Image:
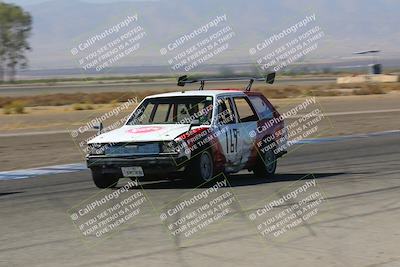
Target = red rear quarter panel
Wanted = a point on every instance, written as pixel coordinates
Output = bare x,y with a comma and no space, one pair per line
262,130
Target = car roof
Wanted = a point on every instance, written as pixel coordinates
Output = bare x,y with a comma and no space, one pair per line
201,93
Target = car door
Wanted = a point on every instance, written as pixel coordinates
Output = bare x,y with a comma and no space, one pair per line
229,134
247,124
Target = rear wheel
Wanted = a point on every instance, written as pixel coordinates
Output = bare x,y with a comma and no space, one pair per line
102,180
266,165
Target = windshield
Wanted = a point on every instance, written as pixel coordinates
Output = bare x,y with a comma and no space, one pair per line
173,110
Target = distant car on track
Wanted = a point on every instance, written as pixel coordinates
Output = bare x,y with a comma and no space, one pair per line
194,135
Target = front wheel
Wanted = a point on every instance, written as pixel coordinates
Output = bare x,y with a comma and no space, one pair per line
201,168
266,165
102,180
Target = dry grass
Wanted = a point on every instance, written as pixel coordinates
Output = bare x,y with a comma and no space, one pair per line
78,98
373,90
16,106
333,89
78,106
383,86
83,101
324,93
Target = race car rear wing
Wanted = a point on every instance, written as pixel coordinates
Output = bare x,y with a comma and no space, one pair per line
270,78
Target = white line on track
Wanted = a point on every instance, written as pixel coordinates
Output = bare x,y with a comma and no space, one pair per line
29,173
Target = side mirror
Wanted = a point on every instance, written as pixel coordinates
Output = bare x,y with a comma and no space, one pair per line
195,122
99,127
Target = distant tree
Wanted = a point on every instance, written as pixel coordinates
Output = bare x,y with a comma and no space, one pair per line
3,41
15,28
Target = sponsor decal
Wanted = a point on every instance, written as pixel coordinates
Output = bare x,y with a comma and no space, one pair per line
146,129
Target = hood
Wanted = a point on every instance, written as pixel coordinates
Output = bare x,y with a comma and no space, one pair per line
142,133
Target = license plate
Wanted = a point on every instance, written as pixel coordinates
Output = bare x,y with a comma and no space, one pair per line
132,171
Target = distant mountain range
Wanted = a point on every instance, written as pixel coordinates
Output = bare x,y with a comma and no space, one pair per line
349,26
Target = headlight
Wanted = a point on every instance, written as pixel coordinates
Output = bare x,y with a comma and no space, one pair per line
176,146
97,149
170,147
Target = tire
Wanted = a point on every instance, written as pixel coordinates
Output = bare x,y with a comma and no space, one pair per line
201,169
266,165
102,180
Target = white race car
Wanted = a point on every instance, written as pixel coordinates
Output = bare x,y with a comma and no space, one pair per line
194,135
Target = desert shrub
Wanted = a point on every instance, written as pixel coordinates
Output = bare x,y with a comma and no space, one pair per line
17,107
77,106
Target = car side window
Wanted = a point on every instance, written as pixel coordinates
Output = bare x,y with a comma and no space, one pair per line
244,110
226,114
261,107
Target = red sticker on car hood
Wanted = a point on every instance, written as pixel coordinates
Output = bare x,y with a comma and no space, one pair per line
146,129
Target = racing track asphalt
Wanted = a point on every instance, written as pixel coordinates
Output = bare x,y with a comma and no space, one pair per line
357,225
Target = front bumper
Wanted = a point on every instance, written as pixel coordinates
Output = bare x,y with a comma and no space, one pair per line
155,164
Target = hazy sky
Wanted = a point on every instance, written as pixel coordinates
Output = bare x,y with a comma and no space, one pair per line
30,2
348,26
